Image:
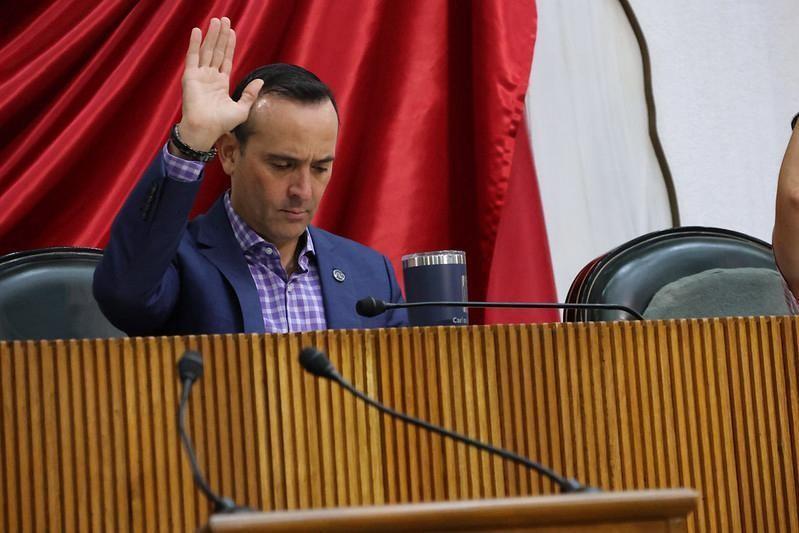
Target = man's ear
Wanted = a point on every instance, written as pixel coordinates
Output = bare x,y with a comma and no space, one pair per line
227,147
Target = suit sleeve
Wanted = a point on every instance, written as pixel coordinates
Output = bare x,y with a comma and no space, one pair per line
394,317
136,283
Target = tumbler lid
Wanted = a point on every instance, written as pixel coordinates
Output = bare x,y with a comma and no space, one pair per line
439,257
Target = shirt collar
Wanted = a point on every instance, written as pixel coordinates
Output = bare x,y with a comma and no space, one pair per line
248,238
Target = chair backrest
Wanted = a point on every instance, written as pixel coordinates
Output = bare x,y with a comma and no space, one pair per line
634,272
47,294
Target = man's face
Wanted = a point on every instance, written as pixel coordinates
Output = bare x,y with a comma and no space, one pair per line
280,174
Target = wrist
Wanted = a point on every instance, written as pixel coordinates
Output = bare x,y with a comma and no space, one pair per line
196,137
179,147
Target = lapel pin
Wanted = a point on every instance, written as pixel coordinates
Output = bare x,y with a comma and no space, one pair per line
339,275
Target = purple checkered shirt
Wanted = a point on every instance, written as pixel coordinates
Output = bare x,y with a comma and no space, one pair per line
288,303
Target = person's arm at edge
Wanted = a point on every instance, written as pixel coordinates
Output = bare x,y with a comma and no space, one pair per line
786,225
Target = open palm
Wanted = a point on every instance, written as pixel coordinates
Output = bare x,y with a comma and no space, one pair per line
208,110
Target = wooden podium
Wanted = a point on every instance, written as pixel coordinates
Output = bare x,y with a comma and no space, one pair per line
88,430
650,511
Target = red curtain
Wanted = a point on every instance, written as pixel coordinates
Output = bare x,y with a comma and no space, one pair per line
431,93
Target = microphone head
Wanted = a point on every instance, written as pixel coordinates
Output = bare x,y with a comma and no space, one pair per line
316,362
370,307
190,366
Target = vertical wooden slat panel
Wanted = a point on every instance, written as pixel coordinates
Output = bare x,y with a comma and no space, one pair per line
644,355
790,351
680,360
761,459
587,363
92,431
785,456
389,437
156,352
505,393
738,425
467,468
771,418
355,348
273,412
748,423
45,398
12,494
88,430
172,454
243,382
416,401
450,464
708,395
515,435
140,407
31,469
540,447
395,399
336,414
325,437
640,432
375,419
493,414
477,407
573,416
550,385
607,378
666,396
723,442
118,353
352,447
297,422
528,429
625,418
63,428
432,392
701,398
29,431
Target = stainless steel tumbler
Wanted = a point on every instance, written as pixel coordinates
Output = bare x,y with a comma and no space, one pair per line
436,276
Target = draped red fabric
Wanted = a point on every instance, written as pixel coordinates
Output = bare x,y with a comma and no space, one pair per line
431,94
521,270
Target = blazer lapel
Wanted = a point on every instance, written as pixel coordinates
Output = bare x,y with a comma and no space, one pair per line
220,246
339,296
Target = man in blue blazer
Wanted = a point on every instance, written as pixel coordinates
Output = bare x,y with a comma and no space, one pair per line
252,263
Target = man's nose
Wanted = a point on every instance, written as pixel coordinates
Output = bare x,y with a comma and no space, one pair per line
300,186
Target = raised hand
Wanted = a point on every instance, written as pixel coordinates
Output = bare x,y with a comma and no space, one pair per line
208,110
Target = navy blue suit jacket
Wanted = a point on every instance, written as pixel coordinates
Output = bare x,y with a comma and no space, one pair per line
163,276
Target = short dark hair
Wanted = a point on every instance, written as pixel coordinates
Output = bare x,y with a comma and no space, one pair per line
289,81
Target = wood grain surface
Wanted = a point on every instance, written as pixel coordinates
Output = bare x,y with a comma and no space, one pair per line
88,436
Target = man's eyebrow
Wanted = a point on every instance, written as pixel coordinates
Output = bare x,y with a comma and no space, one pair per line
280,156
328,159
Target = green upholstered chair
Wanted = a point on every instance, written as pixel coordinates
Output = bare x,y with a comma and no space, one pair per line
47,294
679,273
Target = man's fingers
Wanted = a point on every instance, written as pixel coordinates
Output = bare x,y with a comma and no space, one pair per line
227,62
207,48
221,43
250,93
193,53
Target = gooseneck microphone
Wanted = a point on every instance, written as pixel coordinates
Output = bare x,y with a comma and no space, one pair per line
370,307
190,369
318,364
